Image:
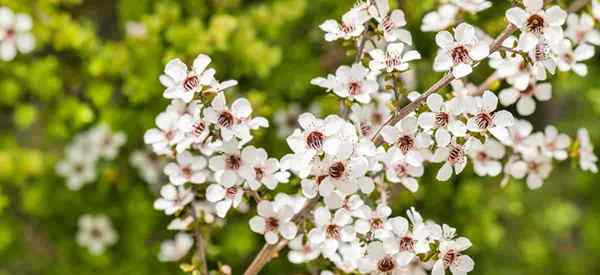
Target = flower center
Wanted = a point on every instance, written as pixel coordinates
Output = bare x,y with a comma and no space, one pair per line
405,143
337,169
333,232
96,233
450,257
386,264
400,170
388,24
10,32
457,154
535,24
186,172
231,192
377,117
483,120
259,173
460,54
393,60
442,119
528,91
272,224
407,244
315,139
481,156
376,223
226,119
233,162
191,83
198,128
170,134
365,128
347,28
541,51
354,88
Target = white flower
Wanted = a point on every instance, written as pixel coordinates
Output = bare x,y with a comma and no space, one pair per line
374,222
225,195
408,239
166,135
485,119
543,60
536,167
173,199
331,231
524,98
107,142
555,144
227,165
570,59
454,158
149,167
346,174
368,118
404,135
392,59
316,136
136,29
451,257
302,252
188,168
440,19
235,121
353,83
442,118
390,23
77,168
537,24
472,6
520,139
398,170
486,157
174,250
183,84
96,233
15,34
350,27
257,169
580,29
380,259
458,52
272,221
587,158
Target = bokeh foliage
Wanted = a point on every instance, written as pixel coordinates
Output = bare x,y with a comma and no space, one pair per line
86,70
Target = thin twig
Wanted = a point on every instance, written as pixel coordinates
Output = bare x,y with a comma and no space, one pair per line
485,85
200,246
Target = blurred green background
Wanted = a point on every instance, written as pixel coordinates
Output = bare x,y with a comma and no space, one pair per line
86,69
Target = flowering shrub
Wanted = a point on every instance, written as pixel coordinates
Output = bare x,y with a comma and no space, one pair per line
335,190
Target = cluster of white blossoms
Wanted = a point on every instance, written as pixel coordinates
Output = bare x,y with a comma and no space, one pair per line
15,34
84,152
449,13
96,233
345,163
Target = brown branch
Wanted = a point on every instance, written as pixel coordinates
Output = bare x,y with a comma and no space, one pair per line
485,85
200,245
270,251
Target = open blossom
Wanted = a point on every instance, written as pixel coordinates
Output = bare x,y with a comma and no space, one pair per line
330,231
454,158
173,199
316,136
405,136
274,220
166,135
96,233
537,24
148,166
77,168
174,250
535,166
235,121
346,173
227,164
301,251
440,19
525,98
188,168
258,169
442,119
587,158
351,25
571,59
451,258
580,29
555,144
225,195
107,142
351,82
368,118
394,58
390,23
486,157
380,259
398,170
472,6
486,118
182,83
458,52
544,60
15,34
374,221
